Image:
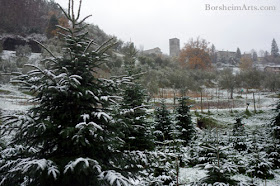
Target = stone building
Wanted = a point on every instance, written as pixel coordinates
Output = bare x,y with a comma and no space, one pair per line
174,47
225,56
156,51
272,69
248,55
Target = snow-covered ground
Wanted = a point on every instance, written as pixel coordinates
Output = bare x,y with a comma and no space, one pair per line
11,99
188,175
264,117
220,99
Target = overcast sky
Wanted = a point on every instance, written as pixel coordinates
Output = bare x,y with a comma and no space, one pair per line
151,23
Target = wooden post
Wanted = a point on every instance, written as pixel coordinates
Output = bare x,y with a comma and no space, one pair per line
218,96
208,105
174,96
254,103
246,99
259,100
201,106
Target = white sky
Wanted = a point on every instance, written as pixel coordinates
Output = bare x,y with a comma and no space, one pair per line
151,23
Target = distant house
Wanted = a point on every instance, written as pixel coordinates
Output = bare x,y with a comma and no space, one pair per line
247,55
156,51
225,56
274,69
261,59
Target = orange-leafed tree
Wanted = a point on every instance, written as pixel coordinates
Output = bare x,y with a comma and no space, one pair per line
195,54
56,18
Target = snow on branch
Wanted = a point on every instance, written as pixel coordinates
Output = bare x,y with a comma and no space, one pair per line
27,165
104,115
114,178
87,163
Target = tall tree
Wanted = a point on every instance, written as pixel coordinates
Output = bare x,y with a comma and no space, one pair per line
213,54
137,133
228,81
274,49
52,26
261,53
254,55
246,63
238,54
195,54
69,137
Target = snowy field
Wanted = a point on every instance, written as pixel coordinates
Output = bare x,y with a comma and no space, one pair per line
12,99
188,175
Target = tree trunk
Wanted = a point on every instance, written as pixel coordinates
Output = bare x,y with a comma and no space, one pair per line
201,104
231,93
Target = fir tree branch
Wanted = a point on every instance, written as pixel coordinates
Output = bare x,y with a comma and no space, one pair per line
79,10
45,49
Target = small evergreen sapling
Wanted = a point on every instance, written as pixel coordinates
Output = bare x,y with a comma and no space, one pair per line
273,152
239,138
183,120
259,165
163,123
219,168
166,168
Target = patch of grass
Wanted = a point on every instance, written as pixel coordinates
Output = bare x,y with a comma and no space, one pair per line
274,96
209,113
248,113
239,97
190,102
196,113
209,123
260,112
232,113
5,91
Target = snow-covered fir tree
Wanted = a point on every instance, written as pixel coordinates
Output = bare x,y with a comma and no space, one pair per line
274,48
183,120
273,152
239,137
276,123
69,137
273,149
169,148
163,123
200,155
133,108
259,165
219,167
